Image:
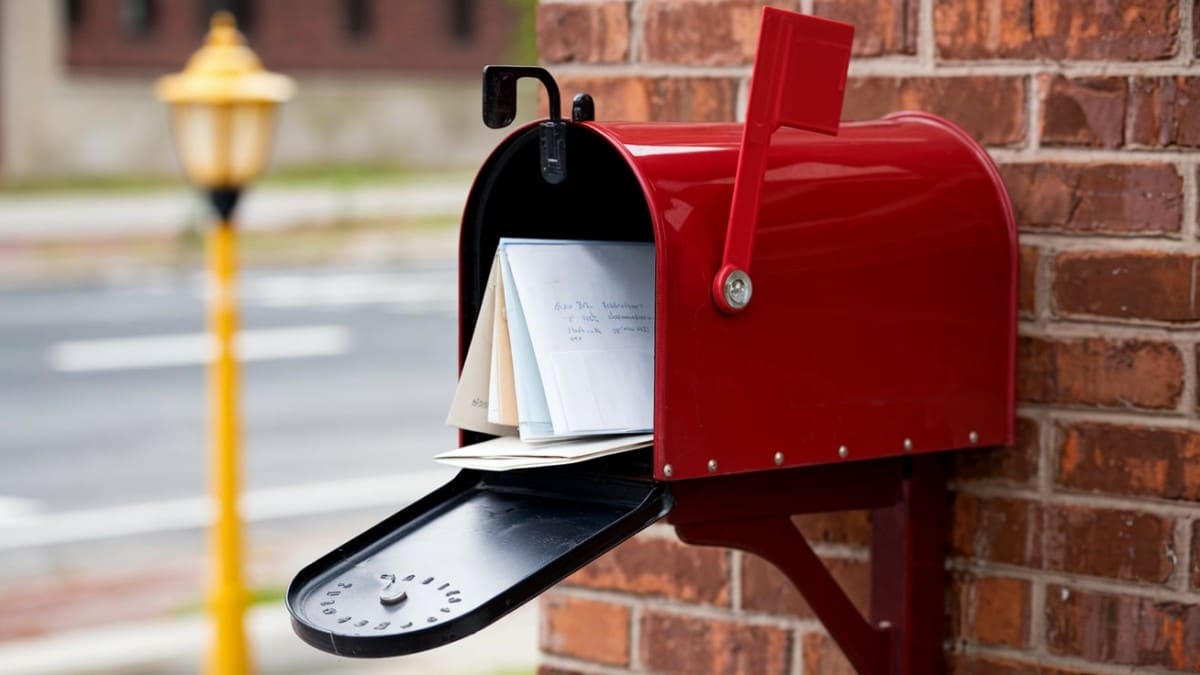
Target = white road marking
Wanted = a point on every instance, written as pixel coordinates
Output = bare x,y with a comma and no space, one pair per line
42,529
160,351
15,508
337,290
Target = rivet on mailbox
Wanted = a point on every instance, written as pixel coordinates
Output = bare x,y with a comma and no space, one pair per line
821,285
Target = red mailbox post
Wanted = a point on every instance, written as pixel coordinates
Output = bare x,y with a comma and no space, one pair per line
835,305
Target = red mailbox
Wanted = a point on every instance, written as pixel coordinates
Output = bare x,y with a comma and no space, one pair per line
834,303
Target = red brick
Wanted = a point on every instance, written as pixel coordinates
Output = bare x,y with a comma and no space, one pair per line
838,527
821,656
1165,112
1084,111
1125,545
1122,630
1095,198
1134,285
665,99
583,33
992,109
976,29
1138,461
997,529
702,33
1098,372
974,664
880,26
991,610
1027,265
766,589
1116,30
585,629
696,99
679,644
1036,370
1016,464
661,568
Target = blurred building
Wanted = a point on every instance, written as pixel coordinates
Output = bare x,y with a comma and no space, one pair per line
380,81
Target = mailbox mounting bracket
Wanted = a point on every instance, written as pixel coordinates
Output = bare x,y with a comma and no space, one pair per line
907,497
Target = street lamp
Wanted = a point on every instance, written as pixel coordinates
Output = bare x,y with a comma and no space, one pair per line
223,114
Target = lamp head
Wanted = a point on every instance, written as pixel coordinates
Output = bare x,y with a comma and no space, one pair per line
223,108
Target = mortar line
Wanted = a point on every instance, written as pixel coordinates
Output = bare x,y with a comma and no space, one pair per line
1033,109
1187,399
1187,37
637,29
1140,418
1187,172
841,552
1037,616
1022,656
1047,439
1043,296
1074,582
689,609
926,37
1083,331
635,637
1127,122
806,6
1150,325
1074,499
1179,555
735,579
890,67
576,665
1101,242
797,656
1103,237
1093,155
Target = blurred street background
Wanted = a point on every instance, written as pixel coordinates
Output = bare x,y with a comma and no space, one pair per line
349,326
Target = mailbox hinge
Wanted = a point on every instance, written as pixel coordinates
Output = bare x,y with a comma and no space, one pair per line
907,496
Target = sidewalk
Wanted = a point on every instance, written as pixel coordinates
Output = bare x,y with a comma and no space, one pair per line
49,217
179,646
57,237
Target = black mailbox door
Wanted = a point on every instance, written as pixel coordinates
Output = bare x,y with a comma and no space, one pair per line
467,554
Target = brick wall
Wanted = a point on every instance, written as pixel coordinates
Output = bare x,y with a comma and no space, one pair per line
413,36
1078,550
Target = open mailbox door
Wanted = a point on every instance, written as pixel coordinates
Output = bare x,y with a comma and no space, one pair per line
469,553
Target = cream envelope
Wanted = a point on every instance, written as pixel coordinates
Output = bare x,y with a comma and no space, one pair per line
502,401
469,409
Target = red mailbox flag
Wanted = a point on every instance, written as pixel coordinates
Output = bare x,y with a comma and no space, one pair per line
799,81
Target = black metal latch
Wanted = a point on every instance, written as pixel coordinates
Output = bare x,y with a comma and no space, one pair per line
500,109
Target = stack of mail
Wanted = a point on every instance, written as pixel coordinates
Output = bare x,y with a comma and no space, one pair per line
562,356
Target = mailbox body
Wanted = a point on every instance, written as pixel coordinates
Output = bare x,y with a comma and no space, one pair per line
883,317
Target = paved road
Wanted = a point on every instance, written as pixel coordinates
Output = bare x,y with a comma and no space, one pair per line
102,392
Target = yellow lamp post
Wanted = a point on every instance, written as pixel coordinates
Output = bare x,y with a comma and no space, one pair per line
223,114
